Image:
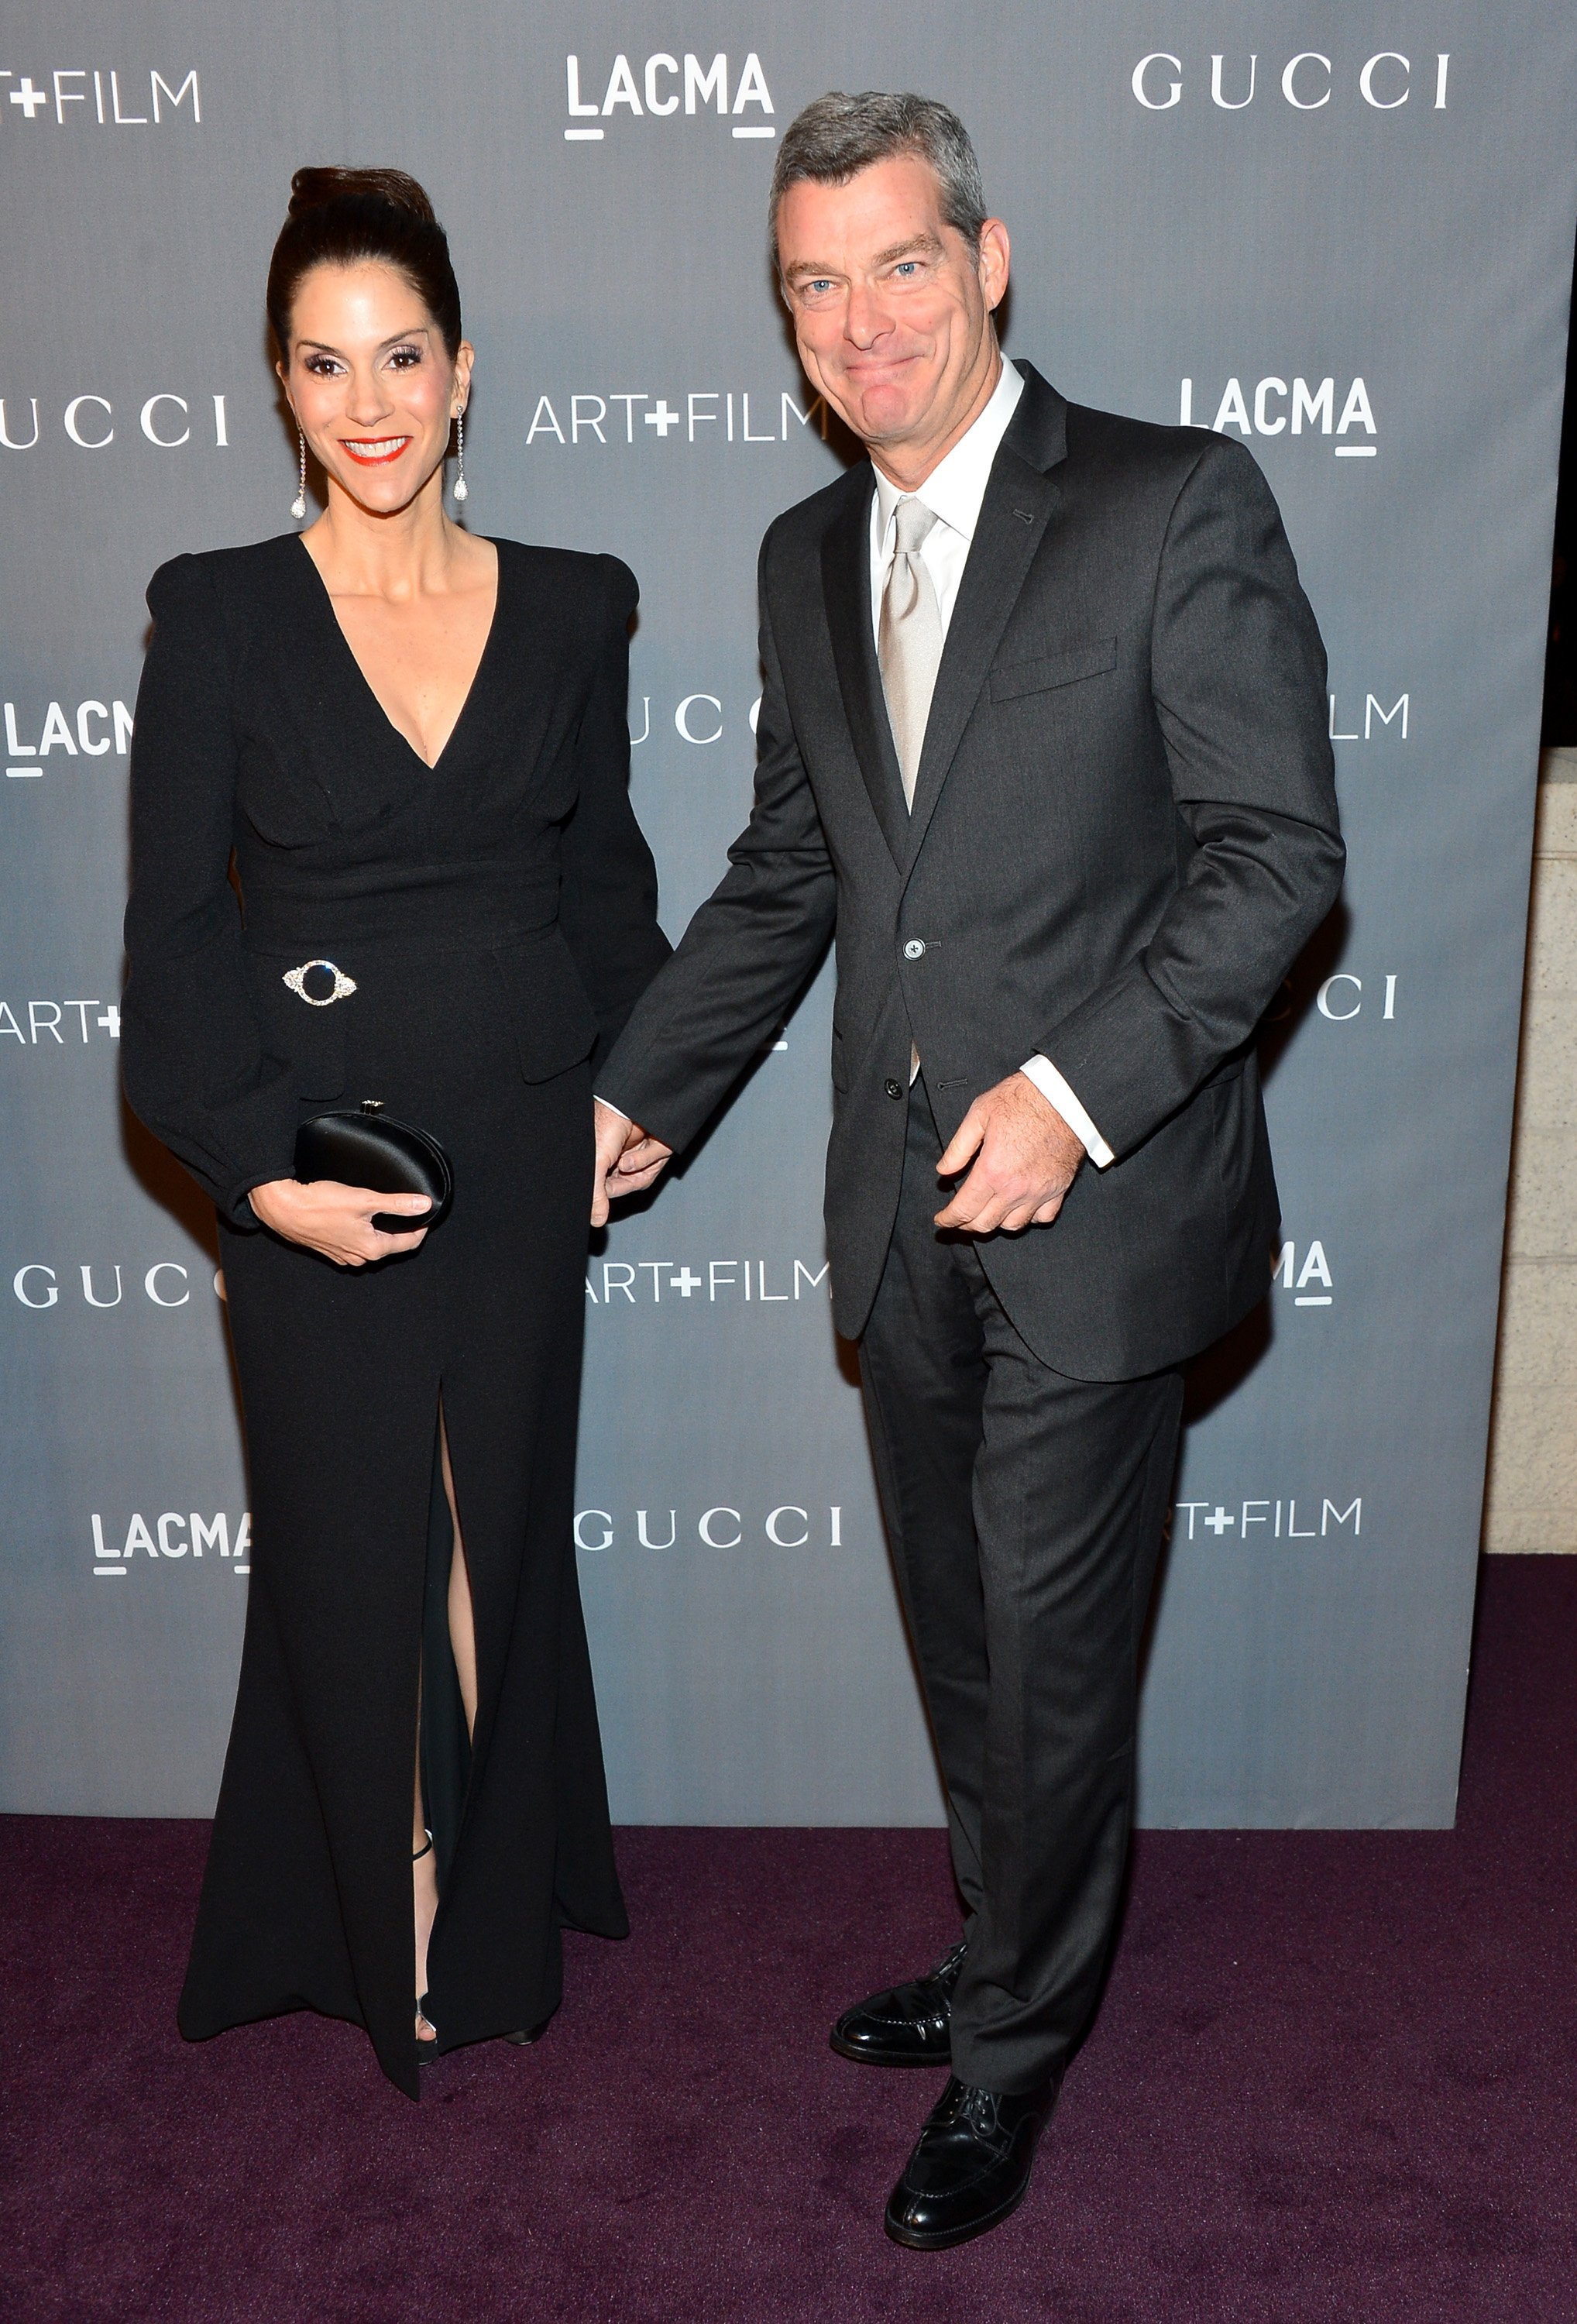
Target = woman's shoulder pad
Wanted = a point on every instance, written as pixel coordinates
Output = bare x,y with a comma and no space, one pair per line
202,576
579,572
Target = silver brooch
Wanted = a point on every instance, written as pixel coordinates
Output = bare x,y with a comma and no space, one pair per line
296,978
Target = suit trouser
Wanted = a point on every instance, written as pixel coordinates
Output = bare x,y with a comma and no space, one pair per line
1024,1511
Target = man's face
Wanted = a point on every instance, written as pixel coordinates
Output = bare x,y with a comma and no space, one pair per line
890,307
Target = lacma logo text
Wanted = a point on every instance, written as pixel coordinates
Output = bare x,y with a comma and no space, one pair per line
666,85
91,730
1311,1283
1271,408
173,1534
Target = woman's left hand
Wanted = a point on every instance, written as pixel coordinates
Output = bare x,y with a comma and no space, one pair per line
335,1221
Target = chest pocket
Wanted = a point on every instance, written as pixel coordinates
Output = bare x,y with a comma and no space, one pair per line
280,799
1039,675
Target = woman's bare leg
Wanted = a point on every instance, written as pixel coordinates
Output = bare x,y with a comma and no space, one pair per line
462,1621
424,1875
424,1884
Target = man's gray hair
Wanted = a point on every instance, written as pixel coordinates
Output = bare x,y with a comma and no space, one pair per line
836,136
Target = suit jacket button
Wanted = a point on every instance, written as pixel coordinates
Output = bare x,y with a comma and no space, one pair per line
914,949
893,1089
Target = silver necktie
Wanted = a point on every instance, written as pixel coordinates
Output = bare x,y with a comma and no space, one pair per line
908,640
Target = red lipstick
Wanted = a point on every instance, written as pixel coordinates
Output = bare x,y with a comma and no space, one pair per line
374,451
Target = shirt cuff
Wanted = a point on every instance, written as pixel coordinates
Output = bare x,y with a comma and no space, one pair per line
611,1106
1055,1092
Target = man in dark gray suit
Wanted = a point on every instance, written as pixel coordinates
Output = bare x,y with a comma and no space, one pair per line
1043,743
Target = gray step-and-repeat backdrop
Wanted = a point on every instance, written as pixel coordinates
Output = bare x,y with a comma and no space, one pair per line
1342,234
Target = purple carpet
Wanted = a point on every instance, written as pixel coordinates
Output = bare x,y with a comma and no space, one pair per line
1335,2077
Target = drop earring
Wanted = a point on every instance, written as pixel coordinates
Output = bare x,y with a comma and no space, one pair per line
461,492
298,505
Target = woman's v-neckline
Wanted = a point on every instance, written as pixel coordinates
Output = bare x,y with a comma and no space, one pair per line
428,767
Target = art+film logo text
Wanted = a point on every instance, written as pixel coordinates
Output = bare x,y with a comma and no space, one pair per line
1314,1517
101,95
619,1284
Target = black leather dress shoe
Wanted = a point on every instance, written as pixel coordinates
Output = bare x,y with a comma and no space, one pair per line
971,2166
906,2026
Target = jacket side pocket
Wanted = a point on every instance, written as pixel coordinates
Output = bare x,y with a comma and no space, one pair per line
553,1022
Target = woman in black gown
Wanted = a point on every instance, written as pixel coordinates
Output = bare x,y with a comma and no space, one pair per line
415,743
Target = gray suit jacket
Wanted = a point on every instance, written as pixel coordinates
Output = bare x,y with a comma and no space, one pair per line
1124,832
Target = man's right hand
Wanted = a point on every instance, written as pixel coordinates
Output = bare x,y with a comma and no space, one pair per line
628,1160
335,1221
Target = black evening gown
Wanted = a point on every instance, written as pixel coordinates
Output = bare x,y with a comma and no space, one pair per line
496,915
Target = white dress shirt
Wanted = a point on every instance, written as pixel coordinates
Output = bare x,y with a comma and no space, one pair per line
953,491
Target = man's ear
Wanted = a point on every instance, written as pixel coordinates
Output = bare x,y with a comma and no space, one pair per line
995,261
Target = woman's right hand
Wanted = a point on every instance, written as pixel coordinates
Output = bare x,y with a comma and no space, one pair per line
335,1221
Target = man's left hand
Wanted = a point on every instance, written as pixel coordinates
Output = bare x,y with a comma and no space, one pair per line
1024,1157
628,1159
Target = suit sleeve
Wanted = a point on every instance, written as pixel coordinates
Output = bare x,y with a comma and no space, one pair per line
748,951
1238,679
607,901
192,1055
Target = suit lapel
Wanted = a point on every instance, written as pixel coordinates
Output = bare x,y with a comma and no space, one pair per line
845,572
1020,503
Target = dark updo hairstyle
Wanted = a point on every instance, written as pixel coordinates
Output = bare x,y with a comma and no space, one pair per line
343,217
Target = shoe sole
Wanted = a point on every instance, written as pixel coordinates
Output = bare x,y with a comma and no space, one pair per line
868,2057
910,2239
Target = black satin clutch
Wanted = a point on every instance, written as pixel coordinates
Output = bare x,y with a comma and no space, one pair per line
371,1148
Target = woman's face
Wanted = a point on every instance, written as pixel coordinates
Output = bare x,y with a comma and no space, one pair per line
372,382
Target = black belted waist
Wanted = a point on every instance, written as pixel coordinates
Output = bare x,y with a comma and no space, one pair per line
442,908
333,966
